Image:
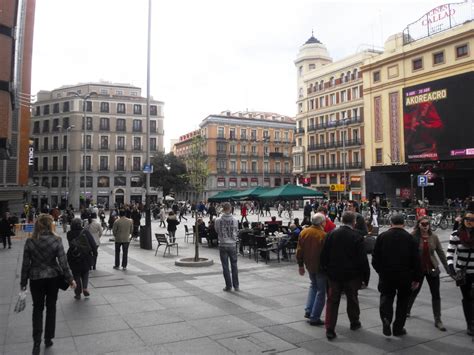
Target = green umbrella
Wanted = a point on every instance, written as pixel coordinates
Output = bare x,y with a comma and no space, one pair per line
250,194
222,196
290,192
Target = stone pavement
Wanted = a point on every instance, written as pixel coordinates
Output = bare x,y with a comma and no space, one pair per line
157,308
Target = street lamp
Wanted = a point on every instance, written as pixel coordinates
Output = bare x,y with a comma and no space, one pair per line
67,161
84,101
266,139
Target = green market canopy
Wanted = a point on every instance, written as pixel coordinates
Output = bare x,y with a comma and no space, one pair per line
290,192
222,196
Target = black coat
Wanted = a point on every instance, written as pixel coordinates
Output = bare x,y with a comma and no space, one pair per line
85,262
172,223
343,256
5,228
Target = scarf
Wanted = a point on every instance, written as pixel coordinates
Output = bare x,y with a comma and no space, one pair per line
467,238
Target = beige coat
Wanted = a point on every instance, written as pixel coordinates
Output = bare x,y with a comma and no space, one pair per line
122,229
435,246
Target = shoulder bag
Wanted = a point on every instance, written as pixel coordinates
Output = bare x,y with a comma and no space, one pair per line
460,276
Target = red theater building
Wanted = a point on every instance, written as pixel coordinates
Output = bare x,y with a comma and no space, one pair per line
419,109
16,41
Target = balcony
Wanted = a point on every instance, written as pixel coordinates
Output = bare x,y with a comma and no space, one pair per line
221,138
333,124
103,168
104,147
120,148
298,150
137,148
335,144
137,130
221,171
120,168
221,153
299,130
338,166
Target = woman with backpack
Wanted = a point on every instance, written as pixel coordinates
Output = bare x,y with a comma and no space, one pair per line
80,256
172,223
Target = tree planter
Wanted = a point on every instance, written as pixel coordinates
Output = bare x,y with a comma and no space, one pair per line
190,262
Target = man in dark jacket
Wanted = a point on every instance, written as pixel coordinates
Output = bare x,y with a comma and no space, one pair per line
344,260
360,226
397,261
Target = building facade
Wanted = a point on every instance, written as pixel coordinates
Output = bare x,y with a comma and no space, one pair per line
247,149
16,41
418,98
101,141
330,140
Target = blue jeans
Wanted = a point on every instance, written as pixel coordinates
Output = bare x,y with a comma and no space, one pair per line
316,295
229,252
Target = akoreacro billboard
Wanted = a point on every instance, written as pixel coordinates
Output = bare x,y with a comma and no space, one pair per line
438,119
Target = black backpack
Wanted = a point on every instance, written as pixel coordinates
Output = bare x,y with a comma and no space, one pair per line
79,248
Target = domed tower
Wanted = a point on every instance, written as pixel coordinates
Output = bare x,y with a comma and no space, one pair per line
312,55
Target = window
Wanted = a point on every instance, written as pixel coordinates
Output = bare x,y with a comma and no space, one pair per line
104,124
64,142
55,127
243,133
120,143
300,107
134,93
265,167
65,122
243,167
104,107
137,109
343,96
462,51
153,126
137,126
438,58
56,108
46,126
137,143
220,132
35,164
355,93
120,125
64,162
46,110
356,157
233,168
121,108
136,181
265,134
56,143
103,181
63,181
232,133
277,167
378,156
120,164
254,167
54,181
88,163
221,165
137,163
38,111
312,66
55,164
376,76
88,141
355,135
300,71
232,149
153,144
88,106
153,110
103,163
417,64
104,91
221,147
253,134
104,142
89,123
243,149
45,182
277,136
119,92
120,181
66,106
322,160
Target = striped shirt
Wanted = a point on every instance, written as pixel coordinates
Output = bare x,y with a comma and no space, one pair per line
461,251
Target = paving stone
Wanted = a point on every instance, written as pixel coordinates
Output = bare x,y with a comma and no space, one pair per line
219,325
22,334
260,342
145,319
197,346
167,333
202,312
288,334
137,306
96,325
101,343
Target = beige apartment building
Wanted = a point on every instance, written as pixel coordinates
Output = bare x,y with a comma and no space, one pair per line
244,150
110,158
330,142
418,98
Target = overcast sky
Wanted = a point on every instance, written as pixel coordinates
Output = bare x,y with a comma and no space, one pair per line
207,55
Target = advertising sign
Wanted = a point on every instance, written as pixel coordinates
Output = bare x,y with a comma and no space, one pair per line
436,119
439,19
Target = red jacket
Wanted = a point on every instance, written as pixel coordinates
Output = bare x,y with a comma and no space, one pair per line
329,225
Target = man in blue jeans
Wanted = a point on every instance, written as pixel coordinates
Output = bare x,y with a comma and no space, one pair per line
227,228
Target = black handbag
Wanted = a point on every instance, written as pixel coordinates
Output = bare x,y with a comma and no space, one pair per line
62,282
460,276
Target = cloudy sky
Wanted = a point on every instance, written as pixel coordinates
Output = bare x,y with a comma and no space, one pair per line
208,55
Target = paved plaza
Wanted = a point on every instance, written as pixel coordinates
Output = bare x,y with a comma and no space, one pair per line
156,307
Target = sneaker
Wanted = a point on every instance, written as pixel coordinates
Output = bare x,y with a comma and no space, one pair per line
330,334
86,293
387,330
440,326
48,343
77,297
356,325
237,289
307,315
399,332
227,289
124,268
116,268
316,322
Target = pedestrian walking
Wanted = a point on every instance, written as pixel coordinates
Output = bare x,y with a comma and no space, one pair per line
136,217
360,226
172,226
397,261
6,230
344,260
122,229
44,262
80,256
461,264
243,213
374,214
227,227
95,229
308,252
162,217
182,213
428,244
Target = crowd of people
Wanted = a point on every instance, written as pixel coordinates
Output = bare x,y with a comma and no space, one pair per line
334,257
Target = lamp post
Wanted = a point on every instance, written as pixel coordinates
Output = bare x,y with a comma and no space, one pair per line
84,101
67,161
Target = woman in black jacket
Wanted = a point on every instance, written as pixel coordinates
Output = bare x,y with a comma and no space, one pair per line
6,230
44,262
172,223
80,256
